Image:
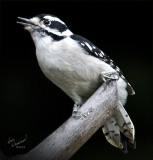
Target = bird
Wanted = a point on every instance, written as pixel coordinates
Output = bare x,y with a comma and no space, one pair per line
79,68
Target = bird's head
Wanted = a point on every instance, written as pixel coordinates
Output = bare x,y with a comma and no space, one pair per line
45,25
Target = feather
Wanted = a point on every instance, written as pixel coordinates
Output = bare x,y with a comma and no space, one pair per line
119,130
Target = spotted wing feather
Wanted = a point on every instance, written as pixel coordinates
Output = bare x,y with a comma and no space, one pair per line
92,50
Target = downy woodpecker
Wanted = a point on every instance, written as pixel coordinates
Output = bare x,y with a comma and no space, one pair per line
78,67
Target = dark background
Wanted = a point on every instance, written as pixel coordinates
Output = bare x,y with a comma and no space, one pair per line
31,105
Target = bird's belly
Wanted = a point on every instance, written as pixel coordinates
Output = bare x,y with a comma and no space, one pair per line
77,77
76,86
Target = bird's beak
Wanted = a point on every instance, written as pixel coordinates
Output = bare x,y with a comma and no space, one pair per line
27,23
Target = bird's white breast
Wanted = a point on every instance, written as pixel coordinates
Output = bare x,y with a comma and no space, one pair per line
66,65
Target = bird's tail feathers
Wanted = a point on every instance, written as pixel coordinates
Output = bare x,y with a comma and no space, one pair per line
119,130
125,123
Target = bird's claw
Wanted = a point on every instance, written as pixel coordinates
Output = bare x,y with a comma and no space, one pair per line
108,76
76,114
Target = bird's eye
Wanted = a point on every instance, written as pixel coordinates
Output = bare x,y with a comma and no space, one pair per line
46,22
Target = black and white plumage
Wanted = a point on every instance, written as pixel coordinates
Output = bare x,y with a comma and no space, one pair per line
75,65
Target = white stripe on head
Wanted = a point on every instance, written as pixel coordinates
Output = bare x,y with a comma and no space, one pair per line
56,32
67,33
54,19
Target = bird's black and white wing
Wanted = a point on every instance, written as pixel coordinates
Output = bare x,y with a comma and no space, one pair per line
119,129
92,50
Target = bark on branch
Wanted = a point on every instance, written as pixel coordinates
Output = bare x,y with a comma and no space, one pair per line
70,136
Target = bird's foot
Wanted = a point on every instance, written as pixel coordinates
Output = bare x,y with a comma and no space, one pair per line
108,76
76,114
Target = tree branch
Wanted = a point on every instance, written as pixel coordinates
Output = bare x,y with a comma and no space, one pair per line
70,136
